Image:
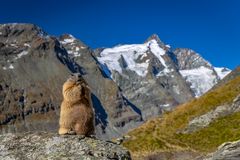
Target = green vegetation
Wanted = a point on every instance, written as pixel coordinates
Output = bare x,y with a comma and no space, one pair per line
163,134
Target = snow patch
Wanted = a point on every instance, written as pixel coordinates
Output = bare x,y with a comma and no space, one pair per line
11,66
157,51
165,105
0,33
71,39
201,79
176,89
65,41
23,53
143,56
77,48
27,45
13,45
168,46
111,56
222,71
75,54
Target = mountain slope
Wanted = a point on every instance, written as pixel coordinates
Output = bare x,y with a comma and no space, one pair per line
30,78
167,133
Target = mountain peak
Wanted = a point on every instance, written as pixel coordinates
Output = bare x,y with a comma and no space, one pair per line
22,27
157,39
154,37
67,36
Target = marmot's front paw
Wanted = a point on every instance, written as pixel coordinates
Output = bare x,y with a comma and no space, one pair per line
63,131
71,133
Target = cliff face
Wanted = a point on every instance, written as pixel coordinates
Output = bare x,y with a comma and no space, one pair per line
50,146
31,77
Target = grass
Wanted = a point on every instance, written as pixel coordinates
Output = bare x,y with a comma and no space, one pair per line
162,134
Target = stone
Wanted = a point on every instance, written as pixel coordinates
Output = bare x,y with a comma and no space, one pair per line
226,151
51,146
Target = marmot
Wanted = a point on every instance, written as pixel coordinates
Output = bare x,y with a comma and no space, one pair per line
76,115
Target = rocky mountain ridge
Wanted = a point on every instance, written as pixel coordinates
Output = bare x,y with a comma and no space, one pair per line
130,83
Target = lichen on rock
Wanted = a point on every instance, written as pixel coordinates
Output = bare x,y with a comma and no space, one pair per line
51,146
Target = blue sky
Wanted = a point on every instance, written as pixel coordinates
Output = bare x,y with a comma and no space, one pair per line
210,27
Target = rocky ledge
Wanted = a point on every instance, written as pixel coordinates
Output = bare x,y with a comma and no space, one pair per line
52,146
227,151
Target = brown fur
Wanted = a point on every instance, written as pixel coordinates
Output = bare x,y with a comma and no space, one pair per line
76,115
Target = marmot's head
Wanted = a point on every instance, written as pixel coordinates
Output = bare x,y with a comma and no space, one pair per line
75,88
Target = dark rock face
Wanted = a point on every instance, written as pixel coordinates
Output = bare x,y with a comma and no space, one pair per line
42,145
31,77
189,59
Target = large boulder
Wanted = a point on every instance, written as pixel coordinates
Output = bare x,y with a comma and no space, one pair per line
51,146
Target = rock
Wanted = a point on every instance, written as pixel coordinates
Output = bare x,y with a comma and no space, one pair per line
227,151
205,119
51,146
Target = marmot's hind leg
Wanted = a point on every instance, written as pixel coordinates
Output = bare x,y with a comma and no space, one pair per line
91,131
80,129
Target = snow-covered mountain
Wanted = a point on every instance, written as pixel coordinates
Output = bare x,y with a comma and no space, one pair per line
155,58
198,72
133,57
146,74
